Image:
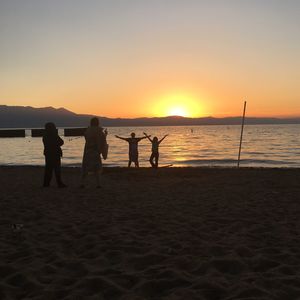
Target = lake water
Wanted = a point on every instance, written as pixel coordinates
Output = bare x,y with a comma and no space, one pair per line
263,146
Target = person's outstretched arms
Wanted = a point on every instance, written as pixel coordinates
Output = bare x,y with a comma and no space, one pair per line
147,136
143,137
121,138
163,138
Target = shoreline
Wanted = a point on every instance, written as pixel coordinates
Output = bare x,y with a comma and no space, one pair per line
159,168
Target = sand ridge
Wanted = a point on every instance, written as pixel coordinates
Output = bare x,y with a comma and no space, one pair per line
178,233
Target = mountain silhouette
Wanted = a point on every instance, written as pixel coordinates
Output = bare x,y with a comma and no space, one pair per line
31,117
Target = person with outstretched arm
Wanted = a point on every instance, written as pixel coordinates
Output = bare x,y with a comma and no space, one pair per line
133,148
155,153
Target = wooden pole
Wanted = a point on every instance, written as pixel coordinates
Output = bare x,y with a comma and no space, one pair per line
242,131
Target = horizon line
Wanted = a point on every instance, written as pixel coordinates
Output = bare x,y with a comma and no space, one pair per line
168,116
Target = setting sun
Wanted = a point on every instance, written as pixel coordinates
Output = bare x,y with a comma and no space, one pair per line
178,104
178,111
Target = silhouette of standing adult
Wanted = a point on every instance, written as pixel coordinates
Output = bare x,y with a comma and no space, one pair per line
53,153
133,148
95,145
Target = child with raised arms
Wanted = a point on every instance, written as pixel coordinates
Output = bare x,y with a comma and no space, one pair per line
155,153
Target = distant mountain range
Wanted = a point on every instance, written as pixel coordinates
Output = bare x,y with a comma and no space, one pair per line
30,117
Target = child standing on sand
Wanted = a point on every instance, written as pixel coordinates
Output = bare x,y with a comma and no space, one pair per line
155,145
133,148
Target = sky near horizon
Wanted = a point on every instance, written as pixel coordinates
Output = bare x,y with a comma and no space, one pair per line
133,58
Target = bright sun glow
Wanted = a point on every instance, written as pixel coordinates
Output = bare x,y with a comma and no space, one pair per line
178,104
178,111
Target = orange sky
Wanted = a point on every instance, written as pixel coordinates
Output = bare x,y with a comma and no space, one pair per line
152,58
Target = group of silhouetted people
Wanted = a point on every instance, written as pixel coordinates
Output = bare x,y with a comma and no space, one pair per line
95,147
133,148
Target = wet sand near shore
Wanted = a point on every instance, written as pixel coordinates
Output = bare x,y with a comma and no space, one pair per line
172,233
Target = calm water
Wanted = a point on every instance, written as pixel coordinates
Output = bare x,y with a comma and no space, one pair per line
263,146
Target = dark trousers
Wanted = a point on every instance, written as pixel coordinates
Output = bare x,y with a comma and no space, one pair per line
154,156
52,164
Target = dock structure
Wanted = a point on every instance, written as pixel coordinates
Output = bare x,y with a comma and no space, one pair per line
38,132
12,133
74,131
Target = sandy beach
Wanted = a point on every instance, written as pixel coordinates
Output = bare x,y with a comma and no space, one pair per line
172,233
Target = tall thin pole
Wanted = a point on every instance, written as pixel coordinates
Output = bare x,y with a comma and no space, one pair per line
242,131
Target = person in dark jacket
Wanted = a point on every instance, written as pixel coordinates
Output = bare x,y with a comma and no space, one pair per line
53,153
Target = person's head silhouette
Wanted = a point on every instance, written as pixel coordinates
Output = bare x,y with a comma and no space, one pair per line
95,122
133,135
50,128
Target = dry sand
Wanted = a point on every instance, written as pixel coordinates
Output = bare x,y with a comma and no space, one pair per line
151,234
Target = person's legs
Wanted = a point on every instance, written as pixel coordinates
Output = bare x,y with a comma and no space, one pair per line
57,171
151,160
136,160
48,171
129,163
98,175
156,160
